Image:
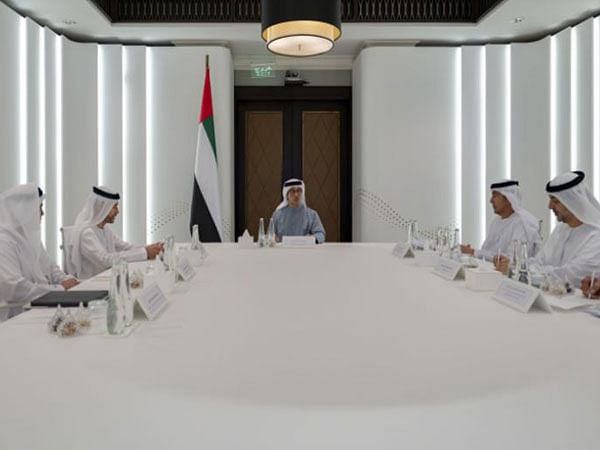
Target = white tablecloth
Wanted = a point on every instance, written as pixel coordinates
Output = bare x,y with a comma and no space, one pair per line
340,346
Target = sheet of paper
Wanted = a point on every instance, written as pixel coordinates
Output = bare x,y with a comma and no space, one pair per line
569,302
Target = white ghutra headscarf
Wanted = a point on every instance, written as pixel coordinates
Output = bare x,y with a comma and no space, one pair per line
20,219
510,189
570,190
289,184
97,206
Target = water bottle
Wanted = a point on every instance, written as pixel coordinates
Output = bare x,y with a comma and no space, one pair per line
523,266
195,243
261,232
514,262
115,317
126,294
412,233
271,233
456,245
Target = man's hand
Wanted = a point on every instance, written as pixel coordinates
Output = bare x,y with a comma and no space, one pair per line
153,250
501,264
466,249
590,291
69,283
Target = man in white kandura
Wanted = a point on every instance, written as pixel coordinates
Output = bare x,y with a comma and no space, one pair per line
572,251
293,218
514,223
93,247
26,270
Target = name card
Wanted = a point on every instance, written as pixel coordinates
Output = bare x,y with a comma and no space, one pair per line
449,269
403,250
298,241
520,296
151,301
185,269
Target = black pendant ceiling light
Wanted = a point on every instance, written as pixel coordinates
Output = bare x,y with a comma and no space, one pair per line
301,27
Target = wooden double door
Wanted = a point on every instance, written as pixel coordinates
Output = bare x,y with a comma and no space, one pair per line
294,132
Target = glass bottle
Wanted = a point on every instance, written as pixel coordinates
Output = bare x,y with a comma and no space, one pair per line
271,233
413,232
261,232
523,266
514,261
537,244
195,243
115,318
126,294
456,245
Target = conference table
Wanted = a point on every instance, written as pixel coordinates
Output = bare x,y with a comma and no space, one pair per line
341,346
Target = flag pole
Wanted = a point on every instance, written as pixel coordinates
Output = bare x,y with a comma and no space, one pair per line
207,64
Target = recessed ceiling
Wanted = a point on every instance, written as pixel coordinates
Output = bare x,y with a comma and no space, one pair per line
197,11
539,17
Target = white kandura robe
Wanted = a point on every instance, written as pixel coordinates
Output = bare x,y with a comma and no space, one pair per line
101,248
19,283
501,235
569,254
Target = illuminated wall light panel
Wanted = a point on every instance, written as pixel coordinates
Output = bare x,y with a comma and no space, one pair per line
149,144
22,100
458,139
574,101
483,143
124,140
596,117
101,121
42,119
508,112
553,116
59,144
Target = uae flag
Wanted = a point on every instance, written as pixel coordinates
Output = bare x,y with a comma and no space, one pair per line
206,207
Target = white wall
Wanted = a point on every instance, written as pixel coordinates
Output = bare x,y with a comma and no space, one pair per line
73,115
432,127
404,137
528,111
10,38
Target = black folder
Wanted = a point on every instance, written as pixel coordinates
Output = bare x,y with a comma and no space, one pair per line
68,299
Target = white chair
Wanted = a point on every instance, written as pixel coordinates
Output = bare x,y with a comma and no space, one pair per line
66,250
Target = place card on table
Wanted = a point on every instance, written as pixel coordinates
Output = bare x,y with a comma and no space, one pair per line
520,296
449,269
151,301
403,250
185,269
426,258
483,279
298,241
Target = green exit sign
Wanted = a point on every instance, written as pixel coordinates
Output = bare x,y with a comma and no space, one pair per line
262,71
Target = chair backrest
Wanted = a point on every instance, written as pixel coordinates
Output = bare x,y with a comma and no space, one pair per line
66,249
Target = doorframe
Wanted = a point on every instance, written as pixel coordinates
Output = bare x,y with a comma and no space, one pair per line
278,94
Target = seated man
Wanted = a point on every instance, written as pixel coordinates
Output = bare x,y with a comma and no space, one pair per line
572,251
293,218
94,247
26,270
514,223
